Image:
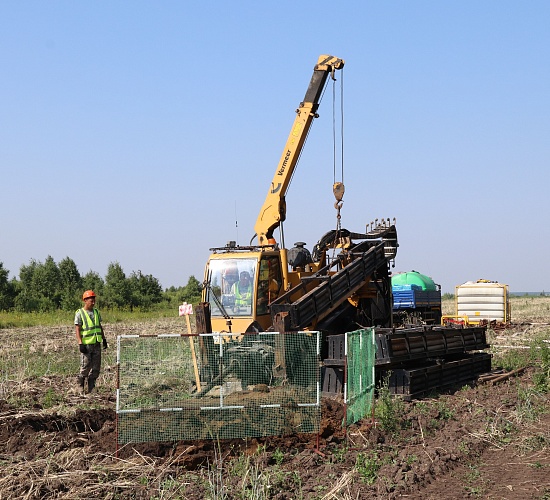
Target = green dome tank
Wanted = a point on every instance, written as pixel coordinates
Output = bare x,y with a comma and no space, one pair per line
414,278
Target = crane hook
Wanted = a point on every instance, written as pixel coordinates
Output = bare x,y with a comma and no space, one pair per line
338,189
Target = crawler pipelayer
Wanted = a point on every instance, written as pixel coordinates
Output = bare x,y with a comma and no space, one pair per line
294,289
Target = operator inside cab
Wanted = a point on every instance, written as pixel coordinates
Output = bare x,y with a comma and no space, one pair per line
242,290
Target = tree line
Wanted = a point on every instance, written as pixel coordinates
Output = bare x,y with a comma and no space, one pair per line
48,286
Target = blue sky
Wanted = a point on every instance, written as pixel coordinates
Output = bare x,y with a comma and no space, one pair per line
141,132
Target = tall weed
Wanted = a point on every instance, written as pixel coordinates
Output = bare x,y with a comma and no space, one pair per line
541,377
388,409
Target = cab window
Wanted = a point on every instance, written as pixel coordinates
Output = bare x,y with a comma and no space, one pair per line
270,282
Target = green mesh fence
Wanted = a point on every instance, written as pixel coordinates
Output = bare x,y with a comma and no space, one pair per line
359,393
217,386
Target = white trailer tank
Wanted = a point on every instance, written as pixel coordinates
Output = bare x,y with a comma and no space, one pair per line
483,300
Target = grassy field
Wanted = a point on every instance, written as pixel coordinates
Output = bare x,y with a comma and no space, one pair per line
18,359
22,320
523,308
478,441
18,349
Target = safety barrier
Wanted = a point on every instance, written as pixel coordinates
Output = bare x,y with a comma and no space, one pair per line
360,375
217,386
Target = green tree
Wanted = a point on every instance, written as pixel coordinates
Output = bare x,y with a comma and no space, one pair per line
193,290
7,290
26,274
47,285
190,293
71,283
117,292
145,290
92,281
27,300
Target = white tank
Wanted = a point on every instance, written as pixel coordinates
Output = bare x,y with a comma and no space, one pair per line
483,300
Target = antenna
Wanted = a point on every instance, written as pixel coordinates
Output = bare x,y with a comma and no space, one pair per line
236,223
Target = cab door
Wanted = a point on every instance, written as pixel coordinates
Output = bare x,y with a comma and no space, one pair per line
270,283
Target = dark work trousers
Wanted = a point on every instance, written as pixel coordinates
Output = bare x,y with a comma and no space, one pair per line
90,363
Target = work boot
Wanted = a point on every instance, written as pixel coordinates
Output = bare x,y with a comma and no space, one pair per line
80,381
91,384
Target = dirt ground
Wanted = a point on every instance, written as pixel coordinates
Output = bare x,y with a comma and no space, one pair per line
484,440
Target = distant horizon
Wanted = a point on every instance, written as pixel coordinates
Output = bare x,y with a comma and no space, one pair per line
542,293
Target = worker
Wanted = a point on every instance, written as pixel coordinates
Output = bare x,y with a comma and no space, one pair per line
90,337
243,290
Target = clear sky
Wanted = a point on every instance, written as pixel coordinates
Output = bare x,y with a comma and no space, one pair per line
146,133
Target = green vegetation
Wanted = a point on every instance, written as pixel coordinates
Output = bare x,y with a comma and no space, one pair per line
388,409
50,287
368,465
15,319
278,456
159,387
445,413
475,485
255,481
541,377
27,360
511,359
536,355
530,405
51,398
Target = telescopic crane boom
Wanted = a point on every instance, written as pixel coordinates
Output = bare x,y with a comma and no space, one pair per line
273,211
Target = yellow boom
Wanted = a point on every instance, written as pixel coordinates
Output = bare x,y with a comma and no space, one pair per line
273,211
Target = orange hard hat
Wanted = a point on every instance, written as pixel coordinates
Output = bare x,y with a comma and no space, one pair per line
88,293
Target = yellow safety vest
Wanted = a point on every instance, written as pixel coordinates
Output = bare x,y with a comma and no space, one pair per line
243,298
90,331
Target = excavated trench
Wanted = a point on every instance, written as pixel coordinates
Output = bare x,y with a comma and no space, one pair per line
33,435
37,434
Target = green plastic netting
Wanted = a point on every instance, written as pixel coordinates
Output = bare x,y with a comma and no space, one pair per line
359,392
219,387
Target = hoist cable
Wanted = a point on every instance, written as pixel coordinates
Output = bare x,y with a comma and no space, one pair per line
338,204
334,127
333,131
342,122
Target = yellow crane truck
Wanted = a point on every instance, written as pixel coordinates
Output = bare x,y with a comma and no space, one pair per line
267,287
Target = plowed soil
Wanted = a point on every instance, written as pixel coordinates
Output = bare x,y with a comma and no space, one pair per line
485,440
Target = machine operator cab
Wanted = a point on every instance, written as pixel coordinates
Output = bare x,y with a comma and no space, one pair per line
240,286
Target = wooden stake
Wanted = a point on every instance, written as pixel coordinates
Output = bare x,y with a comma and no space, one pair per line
193,354
507,375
